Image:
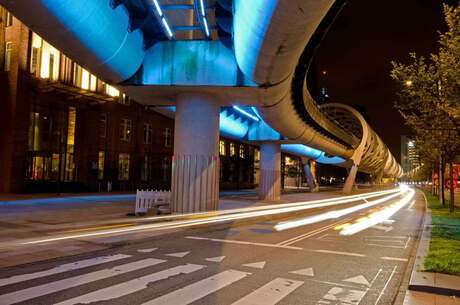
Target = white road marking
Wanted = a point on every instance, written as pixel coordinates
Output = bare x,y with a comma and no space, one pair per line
344,296
258,265
200,289
386,284
44,289
147,250
411,205
131,286
240,242
216,259
330,283
398,259
340,253
407,242
386,246
62,268
360,279
178,254
306,272
295,239
271,293
383,228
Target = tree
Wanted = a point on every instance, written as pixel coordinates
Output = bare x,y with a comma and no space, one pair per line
429,97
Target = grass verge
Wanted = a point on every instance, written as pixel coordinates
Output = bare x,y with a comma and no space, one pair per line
444,253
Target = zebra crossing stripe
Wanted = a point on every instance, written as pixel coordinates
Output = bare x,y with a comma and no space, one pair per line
131,286
62,268
200,289
271,293
44,289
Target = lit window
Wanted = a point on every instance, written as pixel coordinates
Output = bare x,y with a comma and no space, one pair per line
8,52
84,79
222,148
167,135
92,83
232,149
147,134
100,165
123,167
8,19
256,155
112,91
35,54
126,130
242,152
69,174
49,65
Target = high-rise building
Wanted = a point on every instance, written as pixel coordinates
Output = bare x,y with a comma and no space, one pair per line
409,156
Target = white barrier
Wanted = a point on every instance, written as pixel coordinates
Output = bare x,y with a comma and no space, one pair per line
149,199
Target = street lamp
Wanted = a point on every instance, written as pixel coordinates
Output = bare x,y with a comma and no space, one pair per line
408,83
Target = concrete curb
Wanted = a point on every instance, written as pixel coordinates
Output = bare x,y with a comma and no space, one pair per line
430,282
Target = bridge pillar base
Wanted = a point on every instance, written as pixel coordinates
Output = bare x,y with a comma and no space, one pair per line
348,186
195,168
309,174
270,172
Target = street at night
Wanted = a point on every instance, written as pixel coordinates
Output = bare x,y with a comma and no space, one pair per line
245,152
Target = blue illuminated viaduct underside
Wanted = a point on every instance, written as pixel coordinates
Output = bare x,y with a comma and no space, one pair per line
252,61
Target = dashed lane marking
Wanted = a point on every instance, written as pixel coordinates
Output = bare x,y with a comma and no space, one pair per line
240,242
271,293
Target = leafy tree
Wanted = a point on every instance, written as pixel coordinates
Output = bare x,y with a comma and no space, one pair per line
429,97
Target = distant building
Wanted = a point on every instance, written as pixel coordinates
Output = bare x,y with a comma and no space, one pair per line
409,156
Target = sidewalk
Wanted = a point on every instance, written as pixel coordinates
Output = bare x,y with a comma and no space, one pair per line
428,288
34,219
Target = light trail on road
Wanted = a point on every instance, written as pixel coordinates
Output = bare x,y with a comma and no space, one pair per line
223,216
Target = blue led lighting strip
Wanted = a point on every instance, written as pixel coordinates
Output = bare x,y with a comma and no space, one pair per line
201,12
246,113
161,15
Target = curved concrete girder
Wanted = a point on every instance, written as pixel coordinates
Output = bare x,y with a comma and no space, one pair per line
88,31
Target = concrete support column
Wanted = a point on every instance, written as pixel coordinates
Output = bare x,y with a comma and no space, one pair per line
195,169
270,172
348,186
311,179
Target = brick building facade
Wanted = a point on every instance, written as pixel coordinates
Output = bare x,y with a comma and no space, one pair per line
63,129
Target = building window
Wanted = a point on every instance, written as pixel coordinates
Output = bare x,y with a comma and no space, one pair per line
123,167
69,174
8,19
232,149
8,53
222,148
145,168
111,91
49,65
124,99
242,152
34,60
167,135
147,133
103,125
126,130
100,165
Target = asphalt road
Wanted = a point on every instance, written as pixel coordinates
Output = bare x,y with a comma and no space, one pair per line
238,263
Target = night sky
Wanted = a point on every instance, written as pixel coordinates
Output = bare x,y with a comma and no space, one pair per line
359,47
